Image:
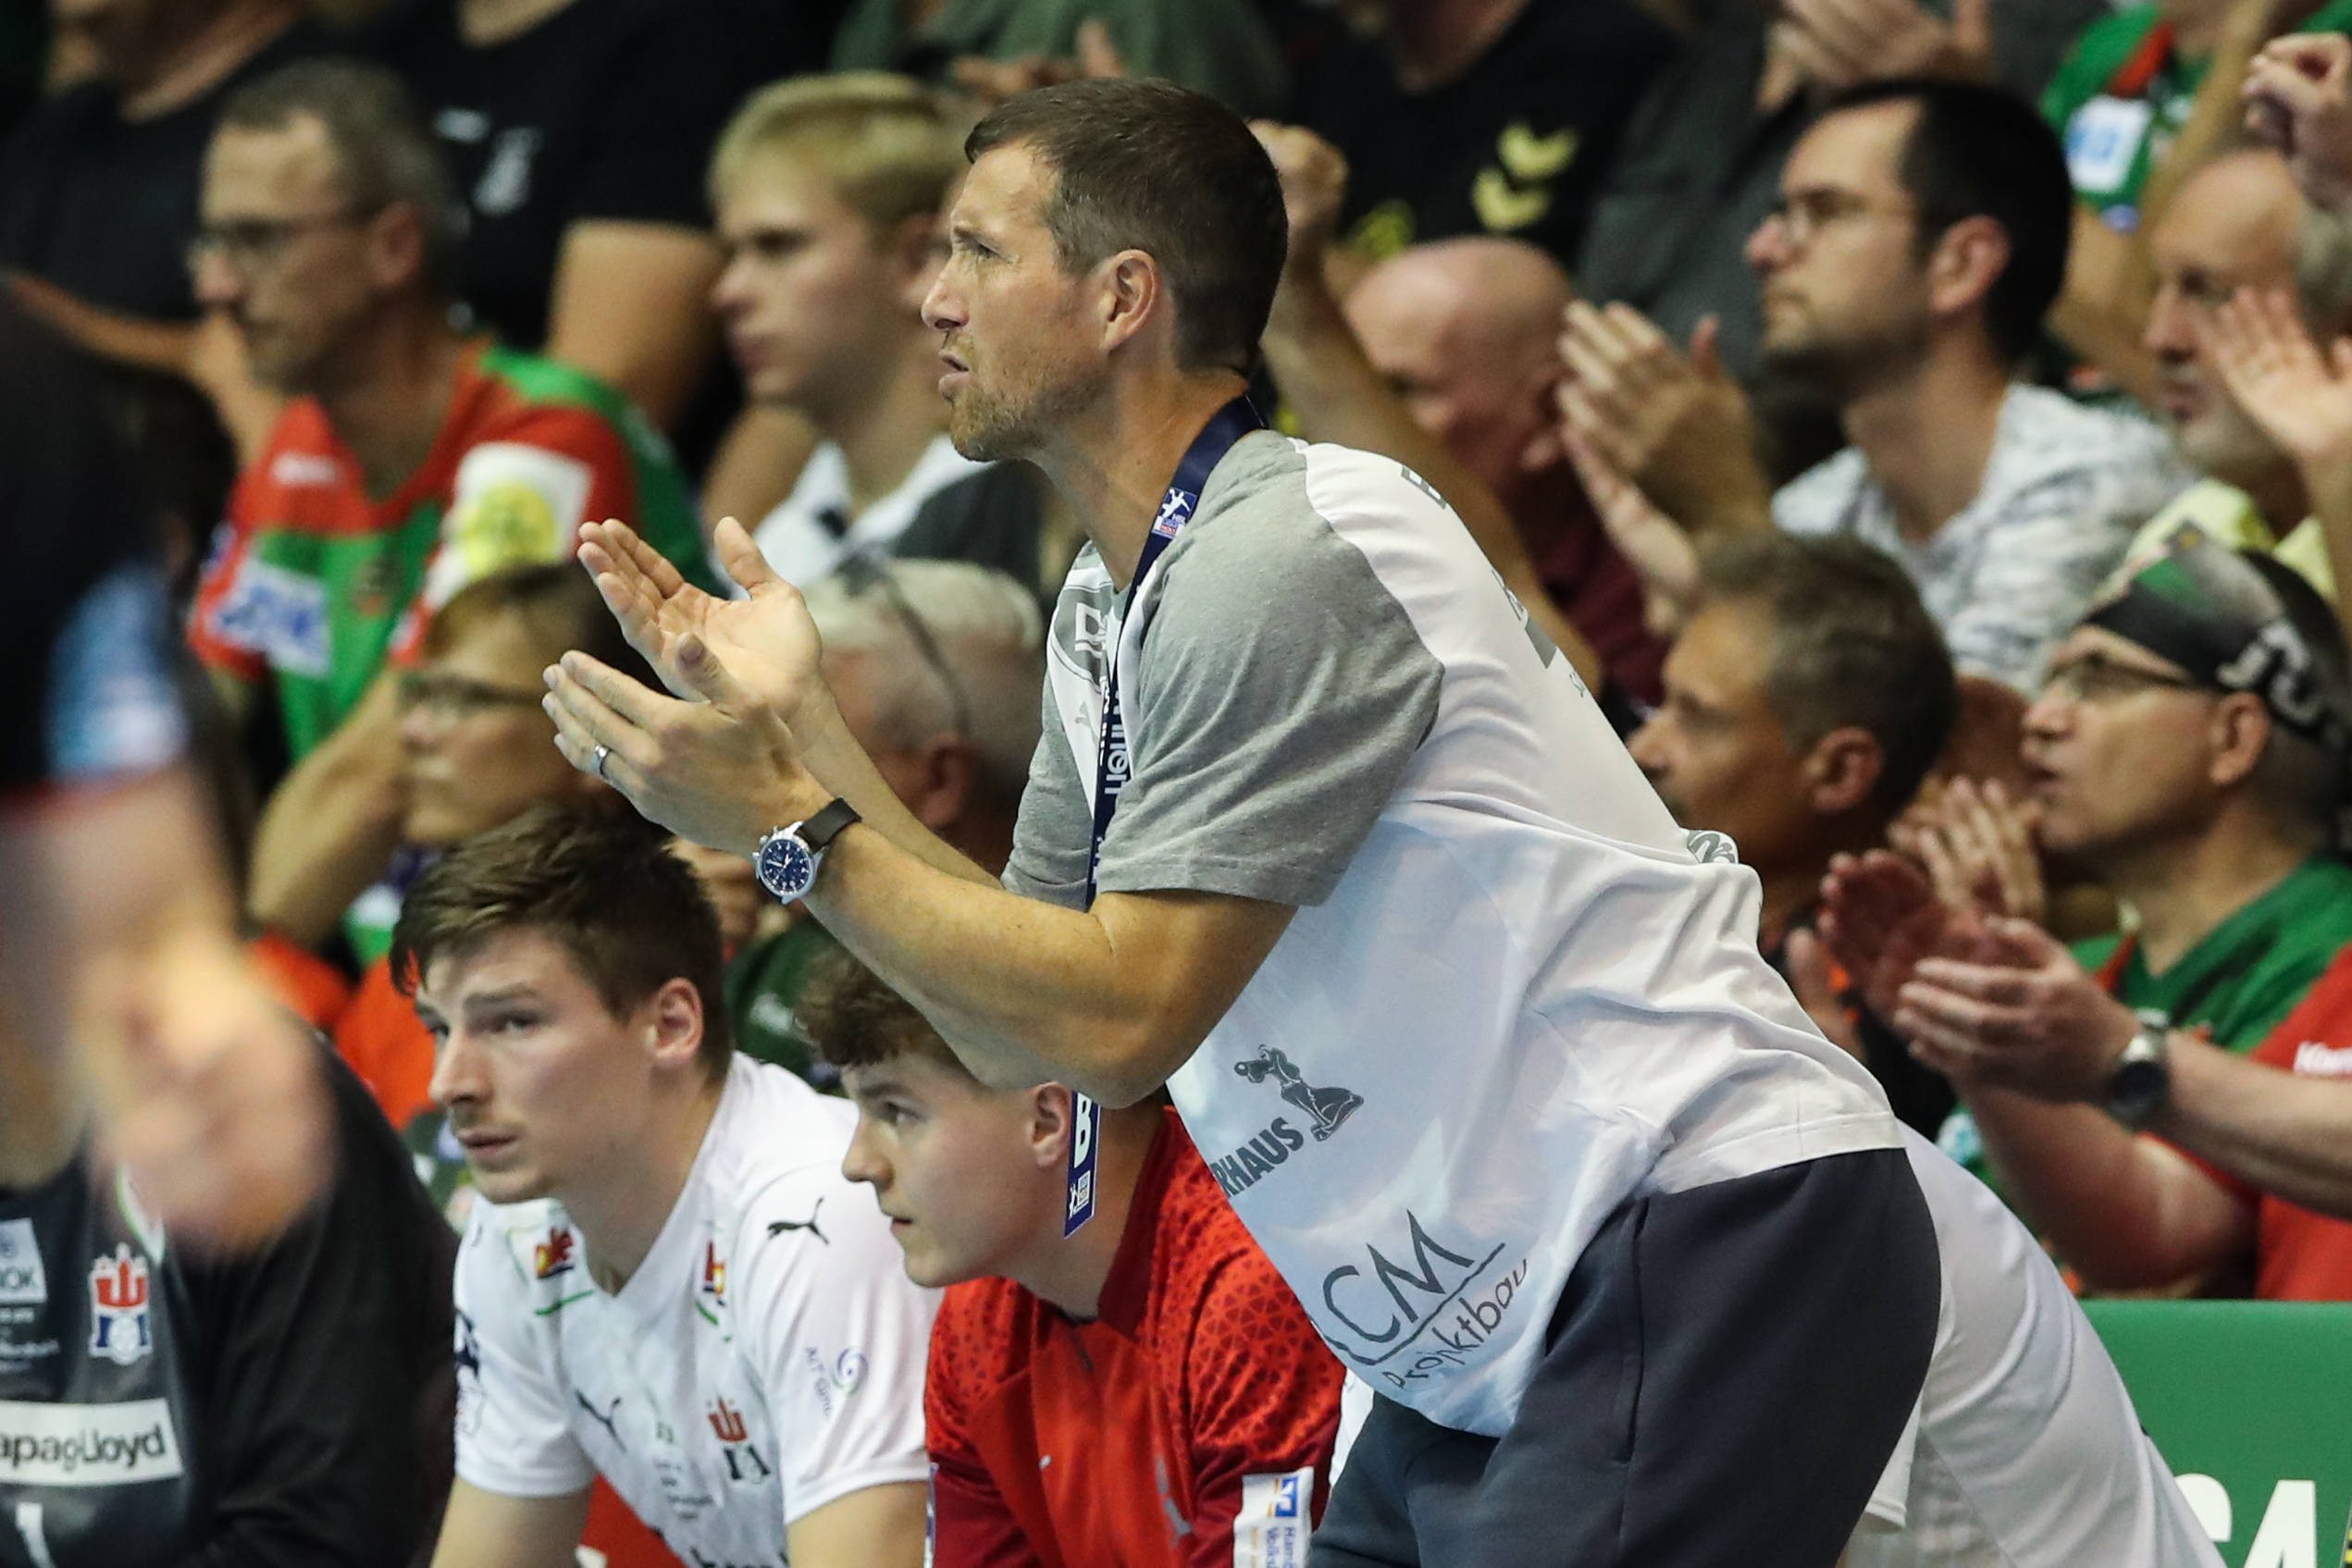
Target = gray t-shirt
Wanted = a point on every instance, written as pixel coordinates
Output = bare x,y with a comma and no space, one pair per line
1283,692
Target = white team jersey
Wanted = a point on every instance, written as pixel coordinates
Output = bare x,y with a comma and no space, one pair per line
1524,999
802,548
766,1359
2024,1450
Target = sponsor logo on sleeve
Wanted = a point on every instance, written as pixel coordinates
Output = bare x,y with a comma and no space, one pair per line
834,1384
1270,1530
1711,848
277,614
87,1445
22,1281
510,504
119,1329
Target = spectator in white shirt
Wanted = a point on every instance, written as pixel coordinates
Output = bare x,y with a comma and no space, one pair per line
1920,237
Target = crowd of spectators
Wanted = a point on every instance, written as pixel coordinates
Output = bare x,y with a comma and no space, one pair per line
1928,432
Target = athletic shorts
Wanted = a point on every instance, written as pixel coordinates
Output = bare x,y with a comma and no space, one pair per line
1722,1383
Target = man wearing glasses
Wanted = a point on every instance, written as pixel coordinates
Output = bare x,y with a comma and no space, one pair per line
412,459
1919,241
2190,753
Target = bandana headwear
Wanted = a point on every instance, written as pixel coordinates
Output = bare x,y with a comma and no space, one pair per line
2217,615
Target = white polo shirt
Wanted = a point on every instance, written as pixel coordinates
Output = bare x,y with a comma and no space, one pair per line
765,1359
801,547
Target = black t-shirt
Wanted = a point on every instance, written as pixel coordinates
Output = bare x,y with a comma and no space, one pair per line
86,645
103,207
607,110
289,1408
1513,147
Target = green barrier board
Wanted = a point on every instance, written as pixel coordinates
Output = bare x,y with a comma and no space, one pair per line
2250,1403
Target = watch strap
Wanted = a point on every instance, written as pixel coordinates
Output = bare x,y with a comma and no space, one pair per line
821,829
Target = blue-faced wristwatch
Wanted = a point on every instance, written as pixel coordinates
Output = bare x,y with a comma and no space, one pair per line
787,858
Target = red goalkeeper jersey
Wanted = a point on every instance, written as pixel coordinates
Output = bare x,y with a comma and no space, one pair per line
1189,1425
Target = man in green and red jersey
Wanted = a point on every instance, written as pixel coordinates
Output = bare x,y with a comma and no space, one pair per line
2127,85
2189,754
413,457
1144,1390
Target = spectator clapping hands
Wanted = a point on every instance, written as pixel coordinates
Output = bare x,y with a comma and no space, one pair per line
2298,99
1679,426
1977,845
1840,43
2019,1014
2301,398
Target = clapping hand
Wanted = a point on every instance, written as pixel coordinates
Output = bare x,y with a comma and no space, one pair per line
765,640
2024,1016
1653,544
1840,43
2298,99
1880,919
718,762
1314,177
2301,398
1678,426
1977,845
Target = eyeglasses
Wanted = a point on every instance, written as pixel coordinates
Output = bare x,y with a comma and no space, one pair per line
256,244
1804,214
454,696
2094,678
859,573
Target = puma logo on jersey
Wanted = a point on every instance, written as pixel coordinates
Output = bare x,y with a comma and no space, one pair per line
779,1226
603,1417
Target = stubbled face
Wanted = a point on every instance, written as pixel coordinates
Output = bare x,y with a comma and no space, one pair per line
543,1084
2114,760
815,301
477,748
1016,350
1716,751
294,267
953,1165
1488,408
2232,226
1844,289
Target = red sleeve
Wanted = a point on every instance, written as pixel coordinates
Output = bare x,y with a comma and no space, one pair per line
972,1526
1263,1397
2323,1018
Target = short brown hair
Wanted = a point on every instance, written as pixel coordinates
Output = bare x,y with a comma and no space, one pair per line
384,153
1851,644
851,1019
884,145
1151,166
556,601
603,884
